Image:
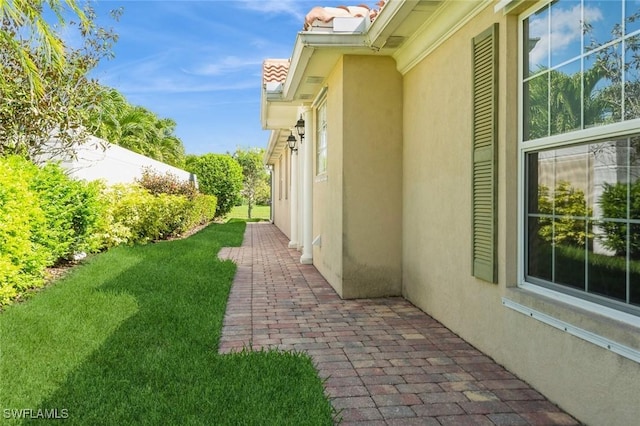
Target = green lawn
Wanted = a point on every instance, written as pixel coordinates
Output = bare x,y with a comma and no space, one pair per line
257,213
131,337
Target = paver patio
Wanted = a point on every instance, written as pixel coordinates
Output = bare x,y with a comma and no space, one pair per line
384,360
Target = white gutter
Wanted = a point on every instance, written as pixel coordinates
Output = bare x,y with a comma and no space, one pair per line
306,43
374,39
273,142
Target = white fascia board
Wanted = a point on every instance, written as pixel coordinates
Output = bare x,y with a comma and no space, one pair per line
274,135
448,19
503,4
393,13
306,43
512,6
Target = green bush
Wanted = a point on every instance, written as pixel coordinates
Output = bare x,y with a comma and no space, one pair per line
567,204
219,175
71,208
44,217
22,259
614,205
167,183
134,215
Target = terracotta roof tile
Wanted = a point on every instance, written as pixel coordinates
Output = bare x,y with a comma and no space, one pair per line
326,14
275,70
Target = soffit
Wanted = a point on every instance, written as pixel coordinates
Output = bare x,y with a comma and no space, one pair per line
319,52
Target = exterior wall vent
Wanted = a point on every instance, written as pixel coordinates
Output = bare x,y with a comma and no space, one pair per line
394,41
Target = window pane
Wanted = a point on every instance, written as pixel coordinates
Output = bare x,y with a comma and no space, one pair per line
540,252
569,256
608,254
609,177
566,31
632,16
566,98
602,89
634,266
536,108
536,40
571,180
602,22
607,272
632,78
541,181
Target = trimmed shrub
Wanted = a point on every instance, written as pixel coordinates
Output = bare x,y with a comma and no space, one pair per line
71,208
134,215
22,259
44,217
219,175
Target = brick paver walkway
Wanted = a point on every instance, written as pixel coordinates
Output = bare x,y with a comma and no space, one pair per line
385,361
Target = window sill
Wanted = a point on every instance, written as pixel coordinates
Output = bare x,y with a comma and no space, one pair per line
616,335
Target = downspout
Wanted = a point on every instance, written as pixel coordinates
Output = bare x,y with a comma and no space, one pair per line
307,207
293,243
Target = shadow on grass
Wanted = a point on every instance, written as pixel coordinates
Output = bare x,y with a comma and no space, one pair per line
161,364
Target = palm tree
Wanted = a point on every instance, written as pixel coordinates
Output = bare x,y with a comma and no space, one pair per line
24,28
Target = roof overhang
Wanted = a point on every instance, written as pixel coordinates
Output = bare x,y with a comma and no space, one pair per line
404,29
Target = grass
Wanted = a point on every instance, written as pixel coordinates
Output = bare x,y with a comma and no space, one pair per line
131,337
258,213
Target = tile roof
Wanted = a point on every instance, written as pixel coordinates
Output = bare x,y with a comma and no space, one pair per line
325,15
275,70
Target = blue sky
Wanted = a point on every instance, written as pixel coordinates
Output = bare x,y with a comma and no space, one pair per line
200,62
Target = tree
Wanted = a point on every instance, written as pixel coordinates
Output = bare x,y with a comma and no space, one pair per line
44,87
614,205
22,21
219,175
135,128
255,176
565,208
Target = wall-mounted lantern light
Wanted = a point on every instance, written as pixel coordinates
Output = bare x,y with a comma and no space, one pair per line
300,128
291,141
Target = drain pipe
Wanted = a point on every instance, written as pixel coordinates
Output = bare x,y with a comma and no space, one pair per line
307,190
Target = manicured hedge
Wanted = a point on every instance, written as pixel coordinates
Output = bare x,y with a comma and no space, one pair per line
47,217
44,217
134,215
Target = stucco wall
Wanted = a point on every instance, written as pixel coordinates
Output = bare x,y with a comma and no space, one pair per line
372,169
281,201
594,384
327,188
358,202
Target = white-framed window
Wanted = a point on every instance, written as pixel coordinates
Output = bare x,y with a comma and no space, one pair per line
580,150
321,138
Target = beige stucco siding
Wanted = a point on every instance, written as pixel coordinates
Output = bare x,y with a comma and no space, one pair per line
327,189
281,201
593,384
372,173
358,202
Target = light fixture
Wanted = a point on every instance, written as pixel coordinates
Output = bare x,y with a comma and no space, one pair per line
291,141
300,128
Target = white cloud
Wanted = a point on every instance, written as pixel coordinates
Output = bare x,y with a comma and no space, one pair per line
566,29
281,7
224,66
